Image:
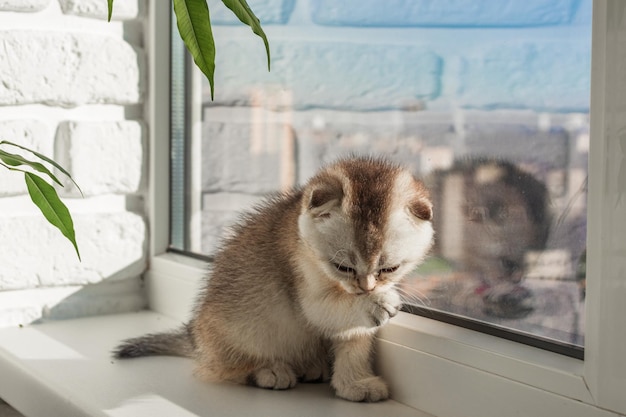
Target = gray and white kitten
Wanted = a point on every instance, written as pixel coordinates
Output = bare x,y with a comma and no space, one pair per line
299,290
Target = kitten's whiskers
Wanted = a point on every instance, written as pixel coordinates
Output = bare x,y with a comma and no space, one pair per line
413,297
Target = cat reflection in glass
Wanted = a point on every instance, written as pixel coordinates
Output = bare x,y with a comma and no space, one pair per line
491,215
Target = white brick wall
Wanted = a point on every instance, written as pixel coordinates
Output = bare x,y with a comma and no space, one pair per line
95,68
68,83
122,10
119,147
27,132
23,5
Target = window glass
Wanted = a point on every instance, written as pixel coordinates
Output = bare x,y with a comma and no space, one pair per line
487,104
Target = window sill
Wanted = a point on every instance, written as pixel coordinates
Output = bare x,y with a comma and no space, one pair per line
432,366
65,369
532,366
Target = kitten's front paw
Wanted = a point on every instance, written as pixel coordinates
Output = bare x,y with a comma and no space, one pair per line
385,308
278,376
370,389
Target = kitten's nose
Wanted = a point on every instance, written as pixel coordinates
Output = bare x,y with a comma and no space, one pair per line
367,282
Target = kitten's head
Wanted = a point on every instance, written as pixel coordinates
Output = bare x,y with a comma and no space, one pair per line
366,222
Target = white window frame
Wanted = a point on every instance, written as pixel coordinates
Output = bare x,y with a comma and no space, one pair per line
440,368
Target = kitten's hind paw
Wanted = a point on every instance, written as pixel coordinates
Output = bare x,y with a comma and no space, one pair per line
369,389
278,376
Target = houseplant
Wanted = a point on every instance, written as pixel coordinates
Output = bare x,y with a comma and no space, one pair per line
194,25
44,195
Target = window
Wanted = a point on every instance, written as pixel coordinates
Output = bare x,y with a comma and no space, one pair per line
444,369
498,129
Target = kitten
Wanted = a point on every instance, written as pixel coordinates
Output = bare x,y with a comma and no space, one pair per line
299,290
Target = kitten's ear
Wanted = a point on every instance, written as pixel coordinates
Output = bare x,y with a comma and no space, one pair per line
422,209
325,196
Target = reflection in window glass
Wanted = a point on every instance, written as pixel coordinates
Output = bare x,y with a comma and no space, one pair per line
489,106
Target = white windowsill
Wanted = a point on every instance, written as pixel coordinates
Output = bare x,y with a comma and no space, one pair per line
65,369
430,365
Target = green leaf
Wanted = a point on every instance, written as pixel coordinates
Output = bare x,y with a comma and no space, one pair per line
45,197
241,9
11,168
110,2
46,159
15,160
194,25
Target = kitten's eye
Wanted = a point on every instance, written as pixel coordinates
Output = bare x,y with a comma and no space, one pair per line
388,270
343,268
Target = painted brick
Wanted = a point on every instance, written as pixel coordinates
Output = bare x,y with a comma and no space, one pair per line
34,254
122,10
112,246
403,141
550,76
23,5
247,158
322,74
520,144
95,69
268,11
107,297
446,13
584,14
41,278
102,157
30,133
26,258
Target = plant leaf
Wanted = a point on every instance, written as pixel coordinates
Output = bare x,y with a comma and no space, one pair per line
45,197
241,9
194,25
15,160
11,168
46,159
110,4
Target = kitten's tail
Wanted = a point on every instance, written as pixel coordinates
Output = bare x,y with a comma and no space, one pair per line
174,343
